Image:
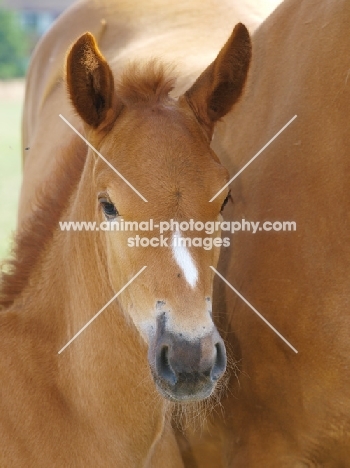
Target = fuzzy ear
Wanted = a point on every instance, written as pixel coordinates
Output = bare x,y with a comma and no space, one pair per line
221,84
90,83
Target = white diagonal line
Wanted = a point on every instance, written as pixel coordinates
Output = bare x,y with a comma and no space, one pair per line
104,159
254,157
101,310
254,310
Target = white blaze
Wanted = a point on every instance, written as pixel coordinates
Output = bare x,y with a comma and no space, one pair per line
184,259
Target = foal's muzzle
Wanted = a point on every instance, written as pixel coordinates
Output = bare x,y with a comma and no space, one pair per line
187,370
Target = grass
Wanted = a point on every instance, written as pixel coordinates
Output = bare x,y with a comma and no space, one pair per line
10,170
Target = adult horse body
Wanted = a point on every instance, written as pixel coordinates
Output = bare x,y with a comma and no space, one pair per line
185,34
291,410
96,404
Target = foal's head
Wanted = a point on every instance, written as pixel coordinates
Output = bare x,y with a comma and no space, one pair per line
161,145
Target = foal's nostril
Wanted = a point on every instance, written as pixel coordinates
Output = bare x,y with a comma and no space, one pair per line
220,361
163,366
207,373
184,369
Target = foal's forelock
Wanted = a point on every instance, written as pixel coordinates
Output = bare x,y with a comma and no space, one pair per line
146,83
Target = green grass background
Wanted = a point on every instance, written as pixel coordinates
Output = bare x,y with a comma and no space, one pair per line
10,170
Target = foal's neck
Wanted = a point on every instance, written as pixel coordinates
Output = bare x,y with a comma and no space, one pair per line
68,285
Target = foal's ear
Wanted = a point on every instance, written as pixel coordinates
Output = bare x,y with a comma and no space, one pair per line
221,84
90,83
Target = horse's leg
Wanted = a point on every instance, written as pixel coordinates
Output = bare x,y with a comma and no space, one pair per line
166,452
201,447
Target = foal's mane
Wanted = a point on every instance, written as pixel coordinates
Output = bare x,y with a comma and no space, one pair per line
38,229
145,83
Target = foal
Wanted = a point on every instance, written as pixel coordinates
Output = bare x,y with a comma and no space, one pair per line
103,401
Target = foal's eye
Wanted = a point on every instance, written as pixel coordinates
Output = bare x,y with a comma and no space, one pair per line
226,201
108,208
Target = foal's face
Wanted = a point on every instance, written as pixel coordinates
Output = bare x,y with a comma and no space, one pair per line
161,146
164,154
